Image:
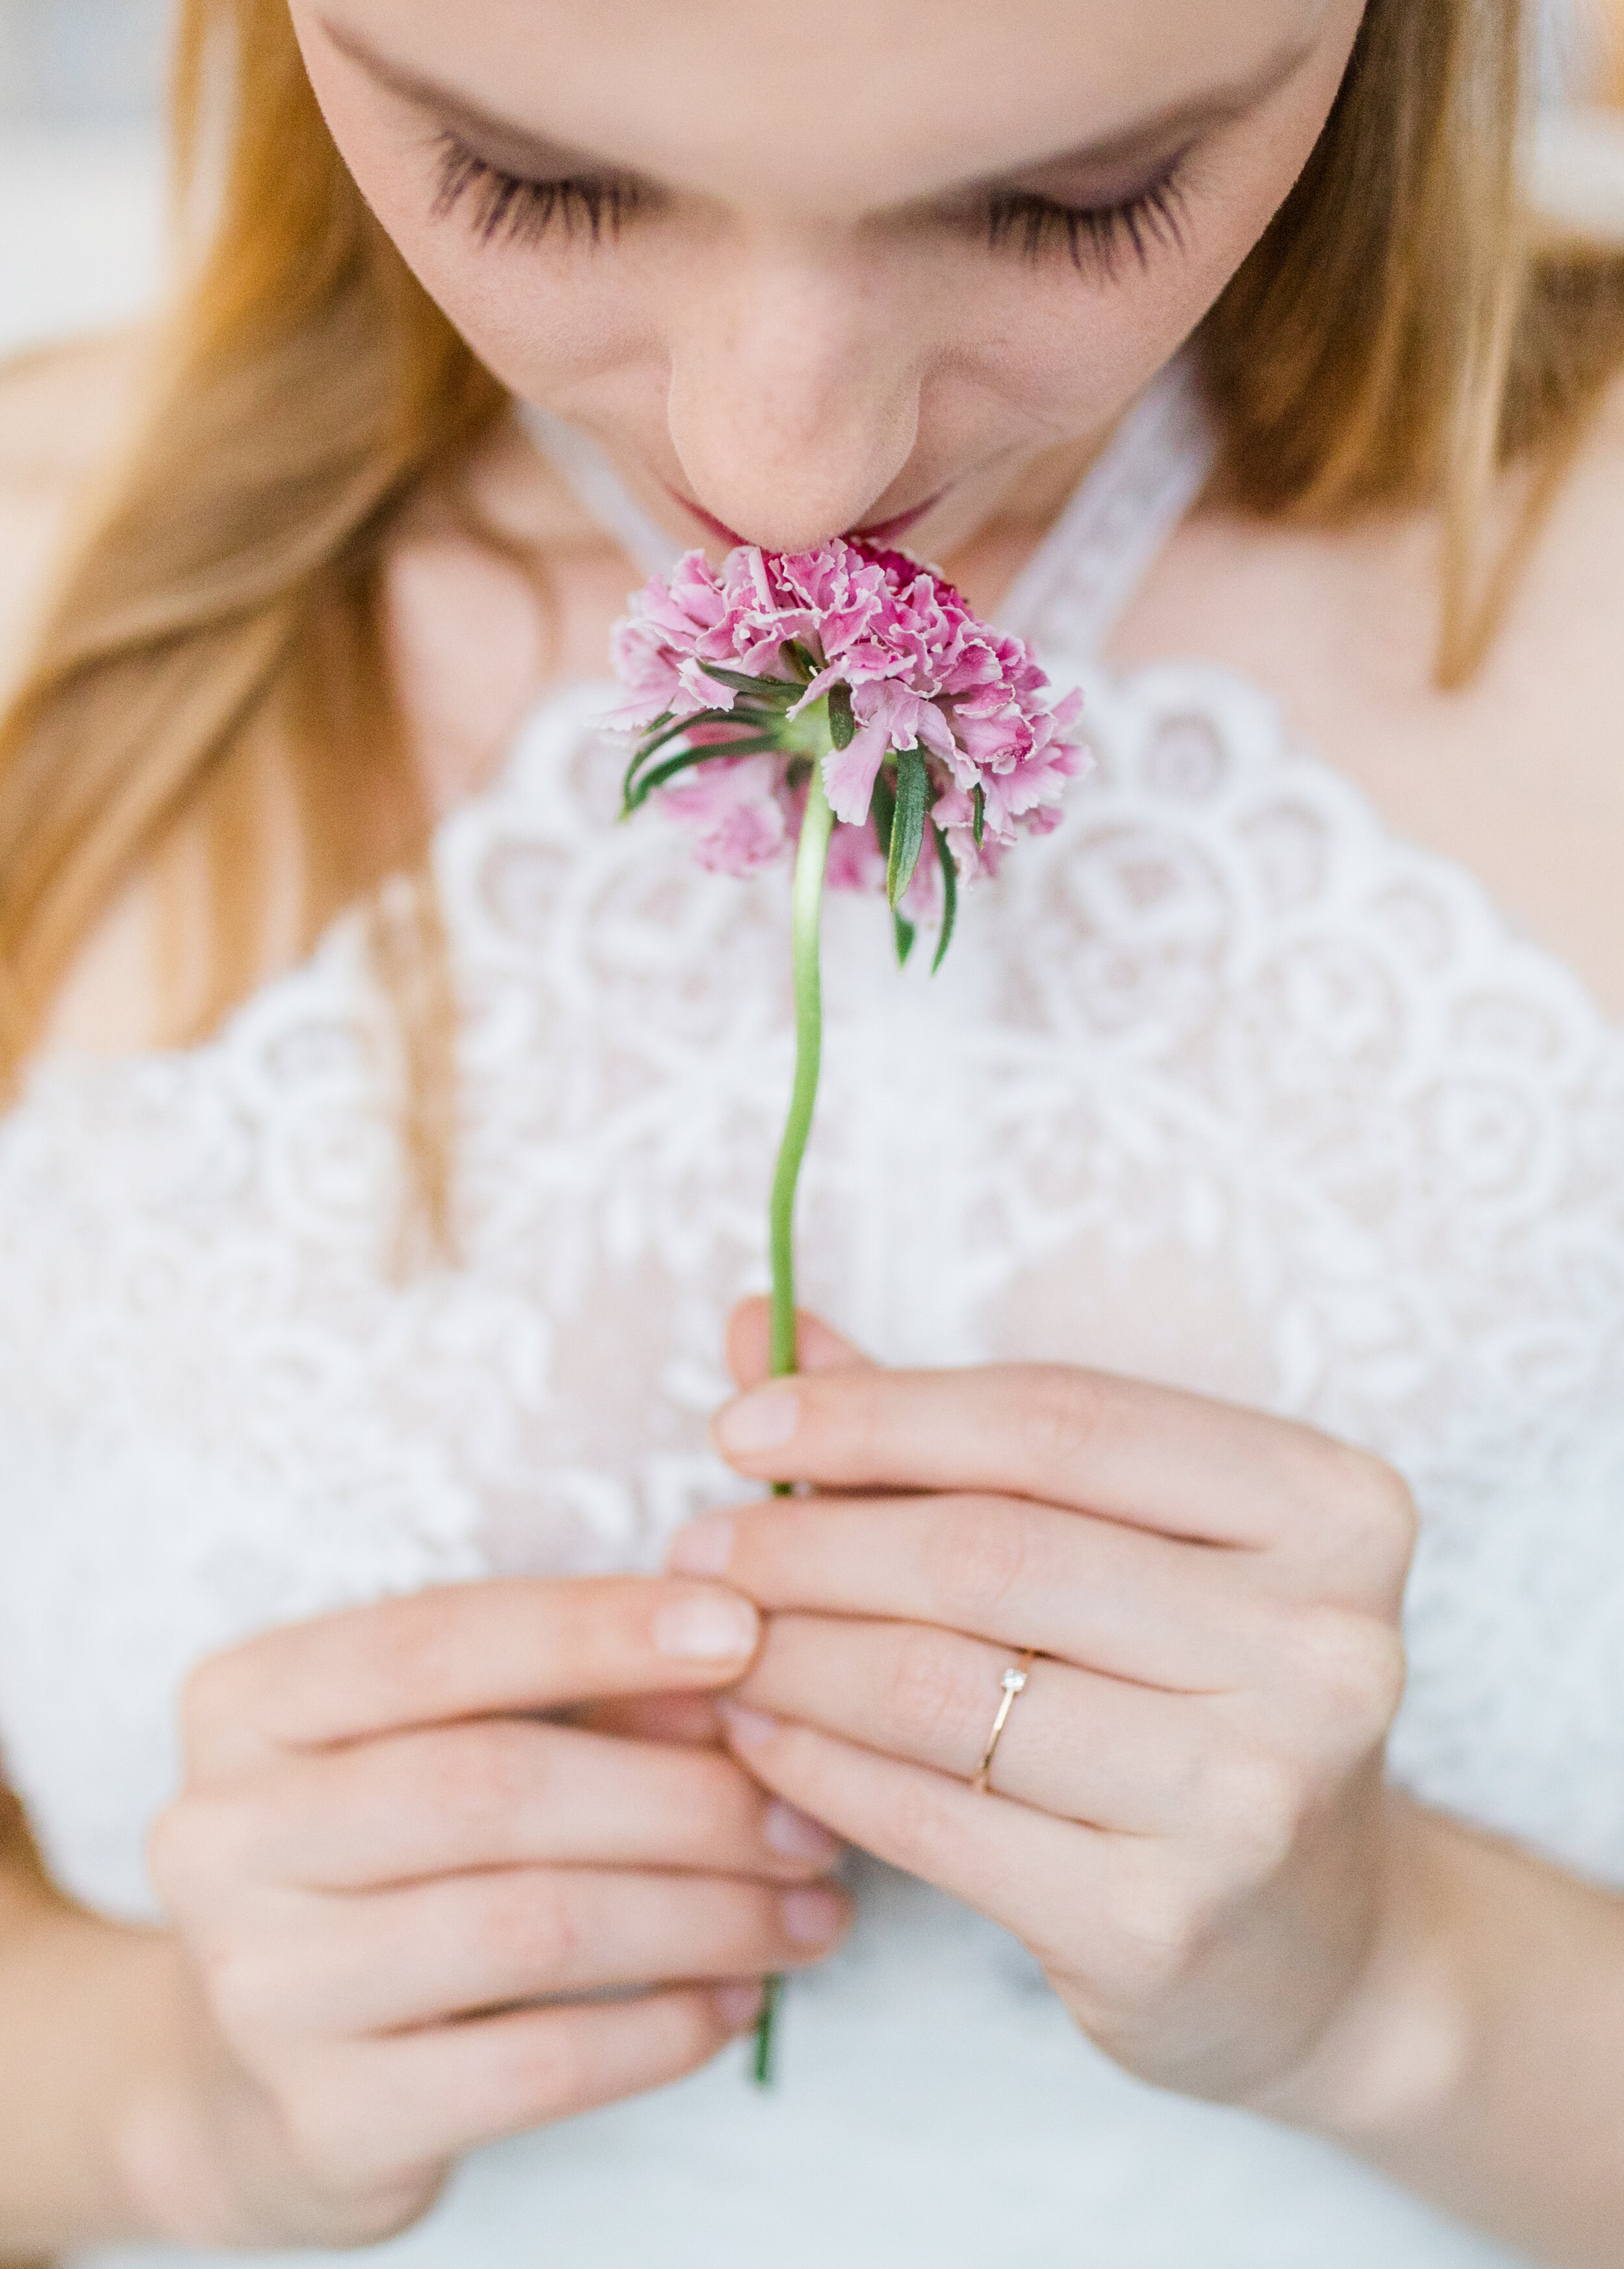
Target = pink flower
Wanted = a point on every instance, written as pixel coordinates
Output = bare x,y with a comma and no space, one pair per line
734,810
877,630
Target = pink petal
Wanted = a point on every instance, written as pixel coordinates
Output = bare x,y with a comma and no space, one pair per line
923,672
849,773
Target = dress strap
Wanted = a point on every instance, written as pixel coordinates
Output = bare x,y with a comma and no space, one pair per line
597,487
1073,589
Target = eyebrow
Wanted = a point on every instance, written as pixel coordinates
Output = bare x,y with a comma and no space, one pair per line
520,150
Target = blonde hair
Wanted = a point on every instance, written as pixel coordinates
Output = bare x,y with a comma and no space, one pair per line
1395,337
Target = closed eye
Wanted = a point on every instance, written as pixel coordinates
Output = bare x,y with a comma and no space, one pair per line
505,208
1096,238
510,208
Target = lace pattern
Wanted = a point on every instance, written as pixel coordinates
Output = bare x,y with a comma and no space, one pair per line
1221,1084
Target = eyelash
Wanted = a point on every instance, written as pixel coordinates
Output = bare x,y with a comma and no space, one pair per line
1099,236
510,210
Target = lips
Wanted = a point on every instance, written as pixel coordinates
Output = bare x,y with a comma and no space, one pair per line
729,536
882,531
887,531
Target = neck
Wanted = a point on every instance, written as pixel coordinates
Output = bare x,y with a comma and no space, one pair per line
985,562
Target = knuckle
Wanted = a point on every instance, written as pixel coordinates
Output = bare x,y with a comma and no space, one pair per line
691,2031
176,1848
200,1846
550,2069
210,1696
1058,1411
1265,1800
497,1771
1354,1666
531,1927
1375,1514
858,1402
687,2031
341,2114
923,1698
1157,1930
922,1827
330,2109
322,2126
975,1554
244,1985
411,1641
716,1803
743,1924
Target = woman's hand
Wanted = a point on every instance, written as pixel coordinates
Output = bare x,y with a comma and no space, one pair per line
1187,1823
401,1895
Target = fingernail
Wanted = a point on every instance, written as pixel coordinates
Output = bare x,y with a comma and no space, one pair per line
703,1547
793,1836
740,2005
757,1422
812,1917
748,1727
711,1626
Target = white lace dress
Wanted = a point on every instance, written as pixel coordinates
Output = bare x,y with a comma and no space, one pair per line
1220,1083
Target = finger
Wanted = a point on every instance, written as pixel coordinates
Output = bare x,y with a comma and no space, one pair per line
687,1720
392,2106
749,1343
1019,1865
1154,1456
470,1943
1083,1748
461,1650
1092,1591
502,1793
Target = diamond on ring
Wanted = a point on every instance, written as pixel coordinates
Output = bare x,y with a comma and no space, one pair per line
1013,1682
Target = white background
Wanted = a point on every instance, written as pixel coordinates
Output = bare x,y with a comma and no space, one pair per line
82,192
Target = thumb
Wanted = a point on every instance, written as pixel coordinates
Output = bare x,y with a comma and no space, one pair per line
750,1344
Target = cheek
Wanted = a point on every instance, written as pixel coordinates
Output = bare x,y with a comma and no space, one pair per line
544,320
1070,349
1064,352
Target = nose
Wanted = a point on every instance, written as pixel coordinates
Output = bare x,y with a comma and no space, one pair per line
794,400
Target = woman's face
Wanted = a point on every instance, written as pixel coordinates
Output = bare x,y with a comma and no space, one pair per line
856,266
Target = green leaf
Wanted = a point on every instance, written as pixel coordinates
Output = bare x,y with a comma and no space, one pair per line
645,788
980,803
777,689
637,795
657,738
882,811
842,724
651,740
905,936
908,829
802,660
759,720
949,896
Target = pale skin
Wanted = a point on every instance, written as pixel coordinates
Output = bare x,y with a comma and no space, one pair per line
801,327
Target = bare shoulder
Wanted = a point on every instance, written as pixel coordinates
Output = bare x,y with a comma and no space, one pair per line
63,411
1514,775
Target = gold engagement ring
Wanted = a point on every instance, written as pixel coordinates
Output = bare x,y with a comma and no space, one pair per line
1014,1682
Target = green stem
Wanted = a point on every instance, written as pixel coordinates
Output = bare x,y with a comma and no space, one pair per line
767,2033
805,927
805,923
